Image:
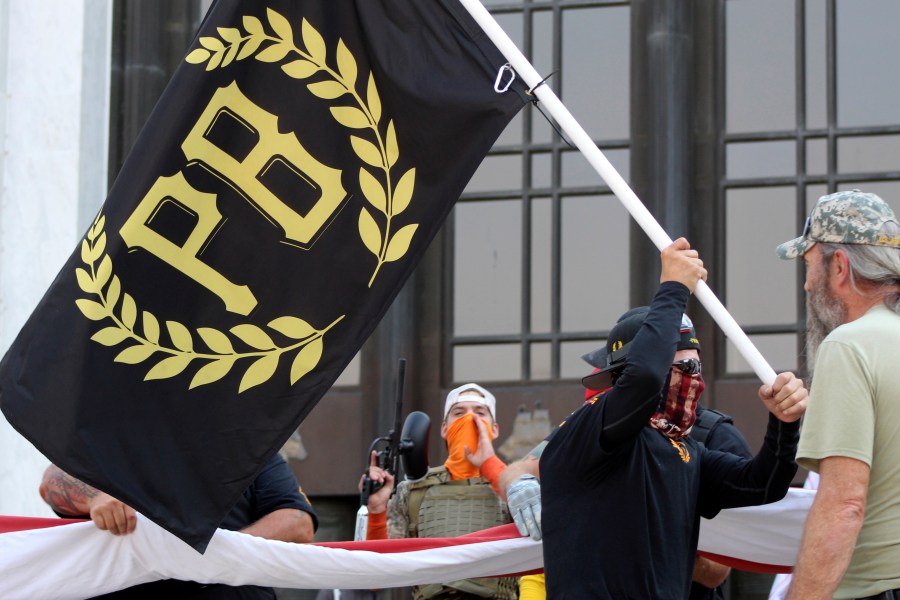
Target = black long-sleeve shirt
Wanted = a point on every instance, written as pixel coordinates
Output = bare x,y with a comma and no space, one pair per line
622,502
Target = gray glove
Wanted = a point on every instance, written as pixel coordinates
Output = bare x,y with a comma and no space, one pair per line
523,496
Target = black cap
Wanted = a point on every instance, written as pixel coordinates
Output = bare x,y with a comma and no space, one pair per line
614,355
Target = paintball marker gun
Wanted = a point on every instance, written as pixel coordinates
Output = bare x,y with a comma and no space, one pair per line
406,449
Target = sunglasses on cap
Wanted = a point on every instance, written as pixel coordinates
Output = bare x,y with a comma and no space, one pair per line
806,227
688,366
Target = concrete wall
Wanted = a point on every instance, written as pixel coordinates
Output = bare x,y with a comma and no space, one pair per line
54,74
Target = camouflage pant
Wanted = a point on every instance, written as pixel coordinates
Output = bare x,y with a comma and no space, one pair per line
503,588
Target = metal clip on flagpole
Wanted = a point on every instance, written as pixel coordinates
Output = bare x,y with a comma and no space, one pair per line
615,182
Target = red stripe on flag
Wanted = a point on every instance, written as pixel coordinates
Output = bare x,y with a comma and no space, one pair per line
10,524
501,532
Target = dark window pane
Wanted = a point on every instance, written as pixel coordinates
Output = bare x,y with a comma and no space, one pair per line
542,59
500,172
540,361
779,350
813,193
595,233
817,156
487,288
495,362
760,86
868,74
577,171
868,154
511,23
541,268
541,170
595,66
761,289
761,159
816,65
572,366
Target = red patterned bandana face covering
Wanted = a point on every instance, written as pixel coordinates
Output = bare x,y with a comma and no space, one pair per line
677,416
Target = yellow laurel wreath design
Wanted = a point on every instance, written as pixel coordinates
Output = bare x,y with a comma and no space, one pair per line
121,307
388,198
683,452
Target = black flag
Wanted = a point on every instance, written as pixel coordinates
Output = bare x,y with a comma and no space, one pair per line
292,174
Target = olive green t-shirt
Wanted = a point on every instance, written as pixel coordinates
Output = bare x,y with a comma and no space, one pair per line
854,411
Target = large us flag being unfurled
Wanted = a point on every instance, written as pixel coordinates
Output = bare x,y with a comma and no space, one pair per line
79,560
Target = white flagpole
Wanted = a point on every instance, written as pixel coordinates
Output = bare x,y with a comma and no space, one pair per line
616,183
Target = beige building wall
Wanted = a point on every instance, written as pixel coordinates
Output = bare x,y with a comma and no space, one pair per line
54,73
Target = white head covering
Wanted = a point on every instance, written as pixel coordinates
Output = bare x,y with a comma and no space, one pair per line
487,398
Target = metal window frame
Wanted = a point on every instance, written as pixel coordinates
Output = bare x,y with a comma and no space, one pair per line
526,194
831,133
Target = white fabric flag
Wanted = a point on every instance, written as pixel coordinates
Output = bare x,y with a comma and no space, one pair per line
79,560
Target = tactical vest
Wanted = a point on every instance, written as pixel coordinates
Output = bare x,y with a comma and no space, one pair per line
708,420
452,508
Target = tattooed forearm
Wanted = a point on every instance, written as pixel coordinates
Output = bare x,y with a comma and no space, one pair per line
535,453
66,494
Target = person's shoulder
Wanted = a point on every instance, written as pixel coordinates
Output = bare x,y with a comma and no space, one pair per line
433,476
275,473
276,464
727,437
880,320
708,420
877,321
400,498
862,337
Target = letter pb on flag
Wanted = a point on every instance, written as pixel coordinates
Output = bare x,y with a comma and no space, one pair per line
294,171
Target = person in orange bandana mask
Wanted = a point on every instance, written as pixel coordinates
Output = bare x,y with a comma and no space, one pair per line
470,431
453,499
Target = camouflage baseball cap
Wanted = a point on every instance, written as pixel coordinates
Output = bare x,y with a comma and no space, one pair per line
852,217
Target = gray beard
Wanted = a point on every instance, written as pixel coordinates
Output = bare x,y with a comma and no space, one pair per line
824,313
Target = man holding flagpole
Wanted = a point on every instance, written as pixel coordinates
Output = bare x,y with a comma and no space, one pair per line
622,483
